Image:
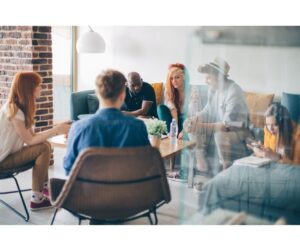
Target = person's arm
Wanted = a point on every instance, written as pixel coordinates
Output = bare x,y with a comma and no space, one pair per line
143,111
218,126
174,113
72,148
235,109
193,124
266,153
31,138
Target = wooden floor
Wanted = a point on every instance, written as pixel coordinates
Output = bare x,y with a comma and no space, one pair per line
183,209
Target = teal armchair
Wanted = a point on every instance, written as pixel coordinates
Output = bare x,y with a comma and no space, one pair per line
83,103
292,103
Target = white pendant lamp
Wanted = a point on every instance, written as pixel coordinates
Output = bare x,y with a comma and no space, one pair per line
90,42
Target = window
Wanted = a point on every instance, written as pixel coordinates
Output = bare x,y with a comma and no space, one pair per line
62,71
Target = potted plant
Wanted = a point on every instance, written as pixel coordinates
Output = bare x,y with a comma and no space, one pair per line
155,129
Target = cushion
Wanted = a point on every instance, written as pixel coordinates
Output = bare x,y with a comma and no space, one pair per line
257,105
93,103
158,89
292,103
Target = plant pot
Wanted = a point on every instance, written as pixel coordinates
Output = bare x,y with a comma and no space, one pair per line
155,140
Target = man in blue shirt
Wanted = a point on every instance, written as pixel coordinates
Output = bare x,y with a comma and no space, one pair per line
109,127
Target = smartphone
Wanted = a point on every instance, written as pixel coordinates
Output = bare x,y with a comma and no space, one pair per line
253,142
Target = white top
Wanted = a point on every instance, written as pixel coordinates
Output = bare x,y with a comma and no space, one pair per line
10,141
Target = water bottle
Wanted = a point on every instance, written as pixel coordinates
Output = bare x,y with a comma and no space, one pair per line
173,132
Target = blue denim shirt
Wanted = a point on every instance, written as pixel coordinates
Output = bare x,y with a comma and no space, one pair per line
109,127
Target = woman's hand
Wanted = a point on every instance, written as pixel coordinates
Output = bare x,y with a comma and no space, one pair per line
189,125
181,134
63,128
259,152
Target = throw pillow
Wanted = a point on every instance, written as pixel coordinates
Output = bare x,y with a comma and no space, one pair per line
257,105
93,103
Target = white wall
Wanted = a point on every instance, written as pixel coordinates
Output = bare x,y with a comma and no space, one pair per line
149,50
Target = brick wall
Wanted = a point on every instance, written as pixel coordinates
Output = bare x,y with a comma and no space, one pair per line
28,48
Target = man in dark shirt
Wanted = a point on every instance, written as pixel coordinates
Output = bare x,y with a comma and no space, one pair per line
140,97
108,127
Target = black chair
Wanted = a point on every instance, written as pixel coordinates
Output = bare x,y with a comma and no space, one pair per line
6,174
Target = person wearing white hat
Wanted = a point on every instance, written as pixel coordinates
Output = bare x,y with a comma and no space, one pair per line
225,117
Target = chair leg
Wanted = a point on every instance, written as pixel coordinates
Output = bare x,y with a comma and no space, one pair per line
24,217
153,210
54,215
149,217
155,217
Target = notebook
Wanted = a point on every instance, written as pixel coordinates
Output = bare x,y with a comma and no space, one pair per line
253,161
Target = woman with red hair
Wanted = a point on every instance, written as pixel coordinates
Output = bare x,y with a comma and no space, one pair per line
19,144
176,84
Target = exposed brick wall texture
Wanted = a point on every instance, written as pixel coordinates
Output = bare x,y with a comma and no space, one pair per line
28,48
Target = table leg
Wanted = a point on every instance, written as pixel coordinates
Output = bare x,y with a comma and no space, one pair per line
172,162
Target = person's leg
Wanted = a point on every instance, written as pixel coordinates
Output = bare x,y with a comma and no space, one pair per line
230,146
39,154
40,170
202,139
164,114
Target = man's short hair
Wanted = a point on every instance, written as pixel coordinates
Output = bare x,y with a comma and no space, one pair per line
110,84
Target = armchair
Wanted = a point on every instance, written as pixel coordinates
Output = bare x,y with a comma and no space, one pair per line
113,185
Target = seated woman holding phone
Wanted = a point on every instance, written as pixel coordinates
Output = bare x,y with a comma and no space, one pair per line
19,143
281,137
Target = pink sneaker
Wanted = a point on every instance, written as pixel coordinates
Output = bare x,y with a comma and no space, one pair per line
44,204
46,192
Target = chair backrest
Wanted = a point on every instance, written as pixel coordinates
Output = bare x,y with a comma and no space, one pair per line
115,183
292,103
159,92
258,104
79,103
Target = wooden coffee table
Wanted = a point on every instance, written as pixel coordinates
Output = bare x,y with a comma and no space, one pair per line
167,151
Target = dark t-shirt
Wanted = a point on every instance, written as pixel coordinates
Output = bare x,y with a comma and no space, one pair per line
134,102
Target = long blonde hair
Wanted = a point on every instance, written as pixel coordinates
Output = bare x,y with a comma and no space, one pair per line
21,96
172,93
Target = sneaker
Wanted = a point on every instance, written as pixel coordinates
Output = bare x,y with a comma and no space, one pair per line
46,192
198,187
44,204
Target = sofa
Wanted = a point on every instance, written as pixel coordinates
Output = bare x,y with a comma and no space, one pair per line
85,103
268,192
